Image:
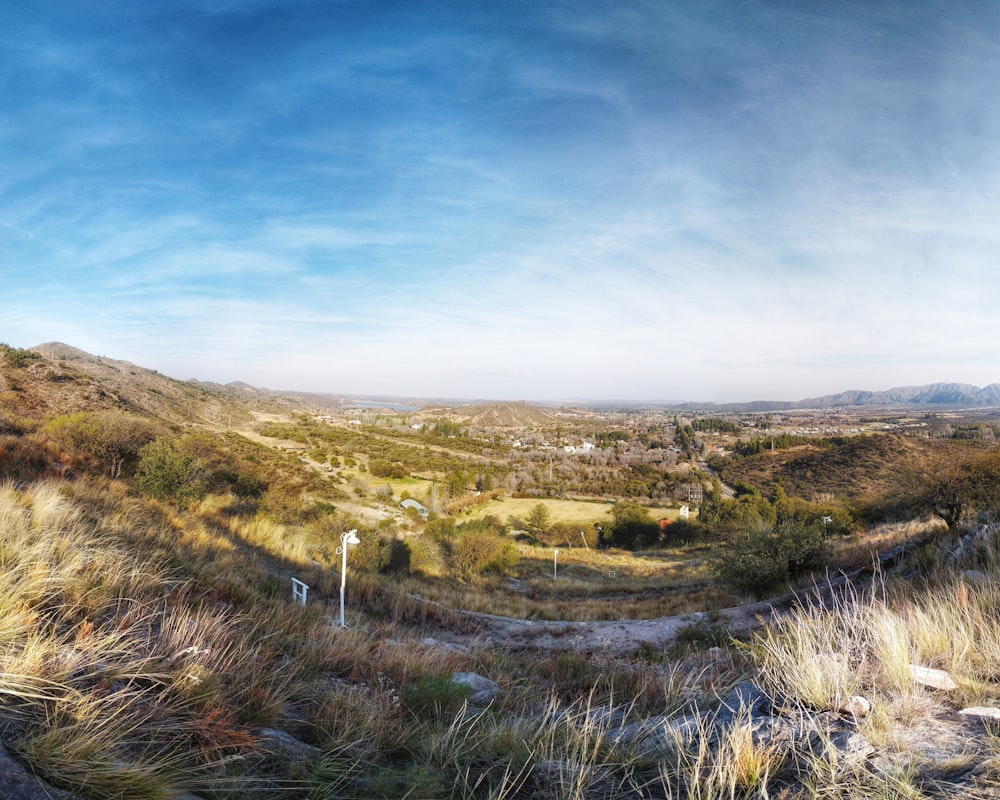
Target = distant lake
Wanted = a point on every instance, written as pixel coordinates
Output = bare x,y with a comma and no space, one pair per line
375,404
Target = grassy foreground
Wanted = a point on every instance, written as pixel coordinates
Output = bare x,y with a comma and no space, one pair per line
147,653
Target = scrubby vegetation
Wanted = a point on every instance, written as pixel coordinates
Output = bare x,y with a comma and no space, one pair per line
151,644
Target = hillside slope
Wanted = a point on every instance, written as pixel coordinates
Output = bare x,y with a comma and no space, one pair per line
862,468
91,382
519,415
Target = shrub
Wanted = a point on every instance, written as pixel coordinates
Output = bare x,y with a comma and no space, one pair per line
426,556
435,697
683,531
475,553
632,527
168,474
17,357
381,468
114,439
762,560
373,554
285,503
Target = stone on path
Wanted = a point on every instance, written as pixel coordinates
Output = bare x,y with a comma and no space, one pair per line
982,712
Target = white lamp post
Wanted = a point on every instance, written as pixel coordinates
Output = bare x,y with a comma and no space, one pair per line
351,537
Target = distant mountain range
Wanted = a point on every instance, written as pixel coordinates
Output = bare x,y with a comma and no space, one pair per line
932,395
109,381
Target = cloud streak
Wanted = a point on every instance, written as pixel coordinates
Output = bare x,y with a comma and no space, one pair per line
541,201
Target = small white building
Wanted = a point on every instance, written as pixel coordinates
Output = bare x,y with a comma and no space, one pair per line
411,503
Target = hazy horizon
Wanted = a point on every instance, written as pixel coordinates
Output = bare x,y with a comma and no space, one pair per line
670,202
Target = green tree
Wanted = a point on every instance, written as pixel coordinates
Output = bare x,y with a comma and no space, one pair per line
764,559
457,481
539,518
632,527
168,474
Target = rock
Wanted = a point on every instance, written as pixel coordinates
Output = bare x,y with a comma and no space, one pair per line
18,783
851,745
656,734
856,706
975,576
484,691
284,744
746,699
985,713
446,646
933,678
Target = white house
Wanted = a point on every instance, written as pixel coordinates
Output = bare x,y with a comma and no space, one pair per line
411,503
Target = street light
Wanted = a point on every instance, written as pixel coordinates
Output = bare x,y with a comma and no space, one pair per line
351,537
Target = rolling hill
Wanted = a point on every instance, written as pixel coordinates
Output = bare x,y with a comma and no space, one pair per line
55,378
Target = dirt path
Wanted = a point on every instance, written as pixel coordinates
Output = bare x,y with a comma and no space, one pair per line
614,637
629,636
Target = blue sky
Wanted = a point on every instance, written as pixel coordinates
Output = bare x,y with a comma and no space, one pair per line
508,200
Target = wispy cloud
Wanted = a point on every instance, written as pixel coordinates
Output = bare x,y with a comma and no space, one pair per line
648,200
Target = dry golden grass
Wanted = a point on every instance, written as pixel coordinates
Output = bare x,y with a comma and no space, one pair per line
140,646
570,512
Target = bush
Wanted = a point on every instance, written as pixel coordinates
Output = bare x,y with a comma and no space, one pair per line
373,554
683,531
761,561
381,468
632,527
475,553
112,439
167,474
426,556
17,357
564,534
435,697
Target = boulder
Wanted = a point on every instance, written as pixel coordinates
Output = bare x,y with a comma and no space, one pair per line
446,646
484,691
851,746
284,744
744,699
18,783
